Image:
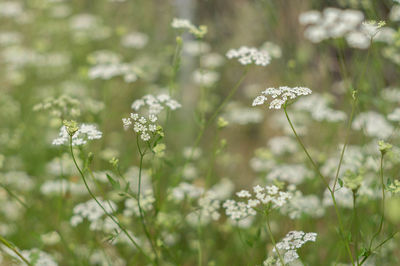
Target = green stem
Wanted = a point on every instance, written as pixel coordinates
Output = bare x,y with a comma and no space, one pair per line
326,184
383,203
11,246
200,253
216,112
377,247
115,220
305,150
146,231
353,108
355,226
273,241
13,195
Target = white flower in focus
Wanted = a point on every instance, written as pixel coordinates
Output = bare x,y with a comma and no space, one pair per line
85,132
293,241
142,126
237,210
280,95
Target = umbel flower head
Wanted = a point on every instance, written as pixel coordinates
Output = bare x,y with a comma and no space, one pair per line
79,134
155,104
291,242
145,127
250,55
280,95
269,197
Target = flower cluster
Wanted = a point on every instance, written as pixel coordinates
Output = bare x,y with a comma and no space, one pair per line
84,133
248,55
268,195
155,104
145,127
280,95
337,23
293,241
199,32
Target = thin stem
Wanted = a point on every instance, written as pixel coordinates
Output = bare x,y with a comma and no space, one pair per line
11,246
353,109
273,241
200,253
305,150
115,220
355,226
146,231
217,111
383,203
377,247
326,184
13,195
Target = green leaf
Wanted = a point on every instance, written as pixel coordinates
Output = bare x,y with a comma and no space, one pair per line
115,184
340,181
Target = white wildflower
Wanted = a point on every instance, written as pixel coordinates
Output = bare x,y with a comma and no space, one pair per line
249,55
280,95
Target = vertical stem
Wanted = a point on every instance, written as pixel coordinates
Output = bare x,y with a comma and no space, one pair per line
305,150
200,253
217,111
345,240
383,203
115,220
353,108
273,241
355,226
146,231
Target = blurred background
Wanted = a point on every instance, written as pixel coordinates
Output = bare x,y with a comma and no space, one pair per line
54,59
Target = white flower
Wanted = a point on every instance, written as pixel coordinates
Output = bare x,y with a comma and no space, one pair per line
249,55
84,133
141,125
237,210
243,194
259,100
155,104
280,95
293,241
